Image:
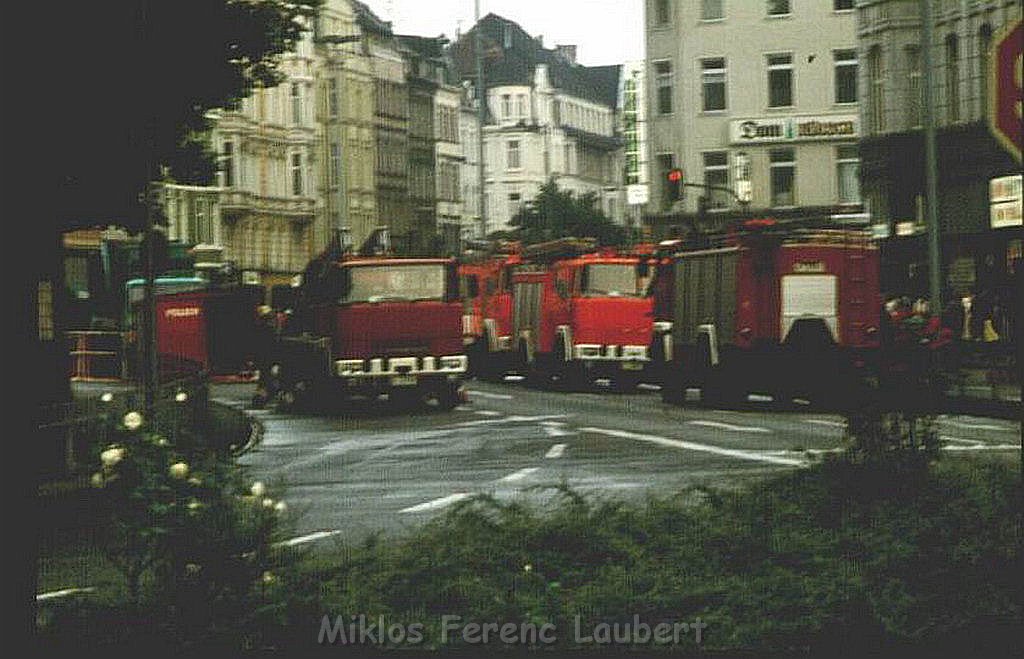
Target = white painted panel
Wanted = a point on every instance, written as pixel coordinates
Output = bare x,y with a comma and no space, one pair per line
814,296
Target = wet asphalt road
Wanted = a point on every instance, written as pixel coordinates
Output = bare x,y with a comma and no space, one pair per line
377,469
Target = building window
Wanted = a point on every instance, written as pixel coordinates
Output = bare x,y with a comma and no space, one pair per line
297,174
567,157
662,12
780,80
876,82
506,106
512,155
335,163
515,203
846,75
296,97
713,84
914,98
842,5
778,7
984,43
952,79
521,106
227,164
712,10
783,177
663,79
848,174
716,173
332,98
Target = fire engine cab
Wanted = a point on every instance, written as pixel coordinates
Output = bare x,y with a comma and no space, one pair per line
580,314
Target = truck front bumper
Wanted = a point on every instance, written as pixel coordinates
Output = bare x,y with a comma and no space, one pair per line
389,373
594,356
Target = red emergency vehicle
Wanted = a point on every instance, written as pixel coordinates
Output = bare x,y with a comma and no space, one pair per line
486,286
580,314
791,312
372,325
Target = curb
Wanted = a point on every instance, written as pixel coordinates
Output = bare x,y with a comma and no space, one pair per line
256,429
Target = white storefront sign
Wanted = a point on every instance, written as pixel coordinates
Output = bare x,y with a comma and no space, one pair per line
1005,201
794,129
637,195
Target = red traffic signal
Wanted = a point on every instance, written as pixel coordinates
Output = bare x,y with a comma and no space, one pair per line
673,185
675,175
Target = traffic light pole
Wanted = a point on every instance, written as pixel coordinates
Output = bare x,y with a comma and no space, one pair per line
931,196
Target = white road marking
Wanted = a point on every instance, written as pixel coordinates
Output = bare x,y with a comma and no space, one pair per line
648,387
825,422
514,378
958,440
437,503
976,426
758,398
302,539
486,412
555,429
520,475
510,419
755,456
728,426
485,394
986,447
54,594
556,451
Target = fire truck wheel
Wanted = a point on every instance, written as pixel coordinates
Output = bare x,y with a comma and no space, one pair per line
448,398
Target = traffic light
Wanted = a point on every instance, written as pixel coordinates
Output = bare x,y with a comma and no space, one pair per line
674,185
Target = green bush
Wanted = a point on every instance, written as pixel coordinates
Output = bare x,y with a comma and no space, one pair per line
195,545
840,557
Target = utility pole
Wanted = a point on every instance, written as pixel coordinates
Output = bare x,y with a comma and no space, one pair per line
931,198
481,114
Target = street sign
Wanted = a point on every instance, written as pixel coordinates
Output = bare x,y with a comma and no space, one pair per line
1006,59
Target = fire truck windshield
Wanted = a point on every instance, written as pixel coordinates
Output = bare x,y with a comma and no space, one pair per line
393,283
611,280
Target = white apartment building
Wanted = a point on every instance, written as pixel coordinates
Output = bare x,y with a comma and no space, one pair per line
448,159
633,118
554,119
268,149
757,97
469,178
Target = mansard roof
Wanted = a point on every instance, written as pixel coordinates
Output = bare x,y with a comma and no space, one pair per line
511,56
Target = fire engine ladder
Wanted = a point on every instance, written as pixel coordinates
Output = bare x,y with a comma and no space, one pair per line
559,249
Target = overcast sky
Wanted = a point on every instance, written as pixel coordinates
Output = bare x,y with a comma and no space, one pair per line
604,31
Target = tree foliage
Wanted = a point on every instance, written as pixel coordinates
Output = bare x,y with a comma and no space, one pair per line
131,84
555,214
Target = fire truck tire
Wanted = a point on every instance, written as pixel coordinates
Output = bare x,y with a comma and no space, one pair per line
448,397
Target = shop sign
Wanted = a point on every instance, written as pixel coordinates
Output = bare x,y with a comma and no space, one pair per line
794,129
1005,200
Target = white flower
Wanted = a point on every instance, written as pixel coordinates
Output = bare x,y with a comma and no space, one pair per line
181,397
280,506
257,489
194,505
162,442
527,568
195,481
97,480
192,569
268,503
107,397
112,456
132,421
179,470
268,577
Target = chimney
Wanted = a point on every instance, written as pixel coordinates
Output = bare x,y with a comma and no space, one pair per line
567,51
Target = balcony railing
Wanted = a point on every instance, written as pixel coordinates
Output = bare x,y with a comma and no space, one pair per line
299,208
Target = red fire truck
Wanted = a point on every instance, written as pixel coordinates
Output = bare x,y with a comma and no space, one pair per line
581,314
486,286
366,326
791,312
